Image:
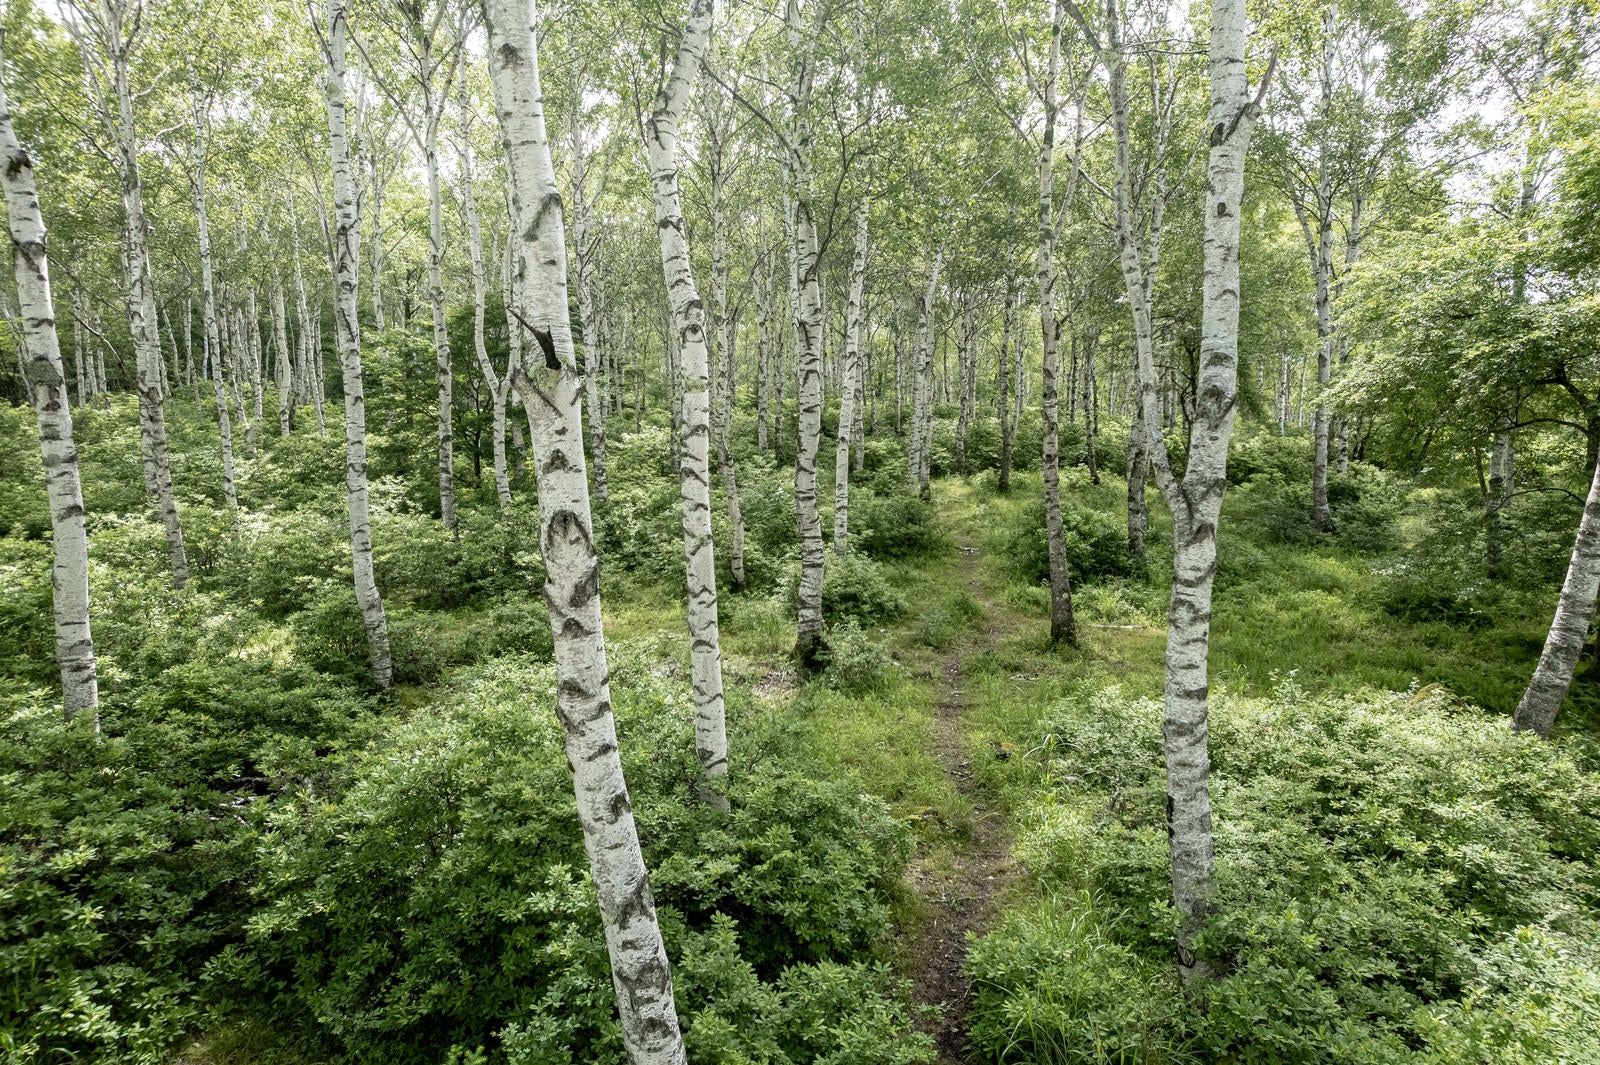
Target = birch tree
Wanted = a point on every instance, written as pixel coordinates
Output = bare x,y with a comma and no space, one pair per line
550,387
432,55
688,321
347,333
46,381
1196,500
208,300
850,391
107,35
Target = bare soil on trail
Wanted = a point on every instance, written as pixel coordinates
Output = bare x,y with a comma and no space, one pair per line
958,895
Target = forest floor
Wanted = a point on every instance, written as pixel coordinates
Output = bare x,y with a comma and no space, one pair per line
961,885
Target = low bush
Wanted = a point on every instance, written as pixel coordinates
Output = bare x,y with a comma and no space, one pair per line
895,526
1395,874
1097,544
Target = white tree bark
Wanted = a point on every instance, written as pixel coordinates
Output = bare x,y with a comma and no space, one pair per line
688,322
584,250
806,287
283,373
347,332
499,388
252,313
921,464
850,389
47,388
550,386
208,301
1196,500
723,392
1536,711
106,37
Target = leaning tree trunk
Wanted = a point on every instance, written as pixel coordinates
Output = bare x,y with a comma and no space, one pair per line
1537,710
639,969
688,322
46,380
347,333
850,390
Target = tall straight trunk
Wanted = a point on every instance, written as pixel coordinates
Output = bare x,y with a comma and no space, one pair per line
806,286
587,278
1091,406
114,45
498,387
850,388
966,354
1497,494
208,303
639,969
722,363
1063,627
347,333
441,328
688,323
283,374
921,469
1322,268
1138,470
1008,328
763,297
46,381
77,357
1537,710
253,349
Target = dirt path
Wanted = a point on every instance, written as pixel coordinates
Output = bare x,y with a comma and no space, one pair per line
959,895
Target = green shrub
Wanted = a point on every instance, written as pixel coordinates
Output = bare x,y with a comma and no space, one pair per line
439,897
942,626
894,527
855,660
1097,544
1395,872
854,587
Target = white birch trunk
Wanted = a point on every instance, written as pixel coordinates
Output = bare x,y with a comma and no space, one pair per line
584,266
850,387
208,306
640,973
722,368
1541,703
441,329
283,374
499,387
808,323
347,333
113,44
46,381
688,322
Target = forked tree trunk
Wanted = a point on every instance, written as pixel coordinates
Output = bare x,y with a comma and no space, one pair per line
347,333
688,323
46,381
1537,710
639,968
850,390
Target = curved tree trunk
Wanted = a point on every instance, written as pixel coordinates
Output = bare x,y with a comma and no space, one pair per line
639,969
347,333
480,285
688,323
46,381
